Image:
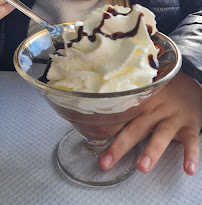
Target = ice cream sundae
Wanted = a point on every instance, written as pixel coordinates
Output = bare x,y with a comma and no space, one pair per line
110,65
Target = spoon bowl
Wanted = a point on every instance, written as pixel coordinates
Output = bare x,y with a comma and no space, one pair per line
56,31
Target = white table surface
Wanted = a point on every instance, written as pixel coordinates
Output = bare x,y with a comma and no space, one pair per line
29,133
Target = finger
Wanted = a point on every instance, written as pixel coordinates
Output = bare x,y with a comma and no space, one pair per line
134,132
162,136
5,9
190,141
2,2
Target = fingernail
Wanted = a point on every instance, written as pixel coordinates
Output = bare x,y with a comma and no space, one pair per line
145,162
191,167
106,159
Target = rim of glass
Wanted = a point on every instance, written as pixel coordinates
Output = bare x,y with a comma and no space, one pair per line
47,87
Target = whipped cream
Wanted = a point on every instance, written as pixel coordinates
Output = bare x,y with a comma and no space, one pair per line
110,51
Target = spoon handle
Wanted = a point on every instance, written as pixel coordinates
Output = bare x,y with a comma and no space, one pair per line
56,31
28,12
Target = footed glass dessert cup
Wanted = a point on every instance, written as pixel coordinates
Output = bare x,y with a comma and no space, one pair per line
96,117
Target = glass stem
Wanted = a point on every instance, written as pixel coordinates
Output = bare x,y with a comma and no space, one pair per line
97,146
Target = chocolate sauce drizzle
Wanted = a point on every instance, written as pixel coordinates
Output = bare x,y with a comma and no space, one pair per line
114,36
43,78
115,13
149,29
152,63
151,60
80,35
161,49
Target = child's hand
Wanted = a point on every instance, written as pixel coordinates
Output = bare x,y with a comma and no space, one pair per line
5,9
174,113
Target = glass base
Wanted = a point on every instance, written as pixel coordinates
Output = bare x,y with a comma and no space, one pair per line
80,164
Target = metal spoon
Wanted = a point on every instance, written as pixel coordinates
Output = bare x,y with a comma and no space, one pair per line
56,31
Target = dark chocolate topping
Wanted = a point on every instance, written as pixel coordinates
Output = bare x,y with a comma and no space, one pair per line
43,78
114,36
80,34
160,47
149,29
115,13
152,62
